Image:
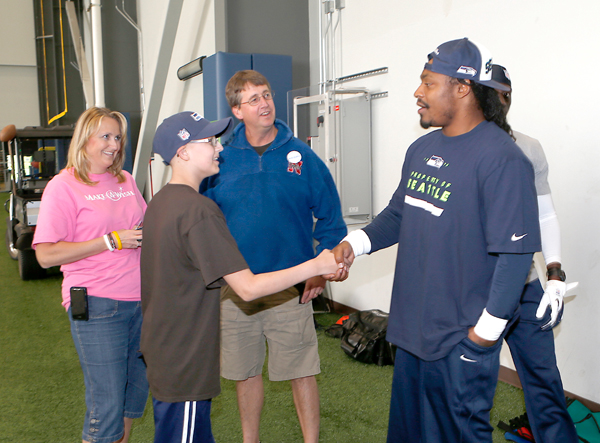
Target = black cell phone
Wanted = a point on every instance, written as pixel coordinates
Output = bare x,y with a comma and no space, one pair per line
300,288
79,303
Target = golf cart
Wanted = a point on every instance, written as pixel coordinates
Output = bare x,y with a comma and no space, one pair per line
33,156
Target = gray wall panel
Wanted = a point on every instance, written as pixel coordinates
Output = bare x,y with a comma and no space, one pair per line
271,27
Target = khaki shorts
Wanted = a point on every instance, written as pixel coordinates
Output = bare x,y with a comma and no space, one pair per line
287,326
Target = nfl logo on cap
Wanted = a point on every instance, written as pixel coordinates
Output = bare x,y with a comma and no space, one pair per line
183,134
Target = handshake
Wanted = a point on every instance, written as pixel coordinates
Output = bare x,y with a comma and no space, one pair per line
328,266
343,254
334,265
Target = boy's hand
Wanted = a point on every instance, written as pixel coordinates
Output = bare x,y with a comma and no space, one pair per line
328,264
312,288
344,256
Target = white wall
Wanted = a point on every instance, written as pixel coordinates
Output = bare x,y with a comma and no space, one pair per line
196,36
550,50
18,72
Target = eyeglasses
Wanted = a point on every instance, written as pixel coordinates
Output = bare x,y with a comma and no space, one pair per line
254,101
212,140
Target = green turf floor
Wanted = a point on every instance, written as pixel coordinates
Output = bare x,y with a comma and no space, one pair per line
42,394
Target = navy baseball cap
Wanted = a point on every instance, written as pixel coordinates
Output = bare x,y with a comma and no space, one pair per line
182,128
464,59
500,75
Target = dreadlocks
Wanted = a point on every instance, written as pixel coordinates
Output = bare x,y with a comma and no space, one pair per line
490,104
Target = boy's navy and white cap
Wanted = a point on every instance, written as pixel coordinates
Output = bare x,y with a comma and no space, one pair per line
182,128
464,59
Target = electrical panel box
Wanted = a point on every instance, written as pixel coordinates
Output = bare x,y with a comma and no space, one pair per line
341,137
354,162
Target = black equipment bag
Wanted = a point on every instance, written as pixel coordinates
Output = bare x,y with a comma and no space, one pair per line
518,427
363,338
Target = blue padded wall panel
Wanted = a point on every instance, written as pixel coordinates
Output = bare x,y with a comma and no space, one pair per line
278,70
217,70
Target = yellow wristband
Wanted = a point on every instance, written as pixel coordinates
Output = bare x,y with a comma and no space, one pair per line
118,240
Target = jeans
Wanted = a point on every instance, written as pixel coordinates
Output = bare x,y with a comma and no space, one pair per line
114,372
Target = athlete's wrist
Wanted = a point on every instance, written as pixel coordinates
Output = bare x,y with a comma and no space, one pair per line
478,340
489,327
555,272
360,242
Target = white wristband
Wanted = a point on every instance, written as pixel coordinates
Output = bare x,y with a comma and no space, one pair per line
489,327
107,241
360,242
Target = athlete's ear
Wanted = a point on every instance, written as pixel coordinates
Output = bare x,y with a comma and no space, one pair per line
464,88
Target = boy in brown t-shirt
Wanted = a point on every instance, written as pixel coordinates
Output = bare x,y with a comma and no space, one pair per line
188,254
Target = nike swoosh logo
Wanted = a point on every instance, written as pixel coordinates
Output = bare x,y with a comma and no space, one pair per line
463,358
517,238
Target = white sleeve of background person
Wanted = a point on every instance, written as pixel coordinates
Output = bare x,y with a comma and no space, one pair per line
360,242
549,229
489,327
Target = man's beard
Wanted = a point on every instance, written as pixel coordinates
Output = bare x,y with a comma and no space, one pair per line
425,124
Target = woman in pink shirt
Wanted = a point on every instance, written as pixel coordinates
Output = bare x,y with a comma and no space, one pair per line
90,224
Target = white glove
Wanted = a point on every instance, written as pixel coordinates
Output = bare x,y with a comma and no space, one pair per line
553,297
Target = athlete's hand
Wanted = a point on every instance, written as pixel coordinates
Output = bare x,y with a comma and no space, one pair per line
553,298
478,340
344,255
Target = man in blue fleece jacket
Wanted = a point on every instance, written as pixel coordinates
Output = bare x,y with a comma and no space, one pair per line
278,197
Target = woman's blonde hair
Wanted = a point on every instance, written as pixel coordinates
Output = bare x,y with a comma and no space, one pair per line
88,125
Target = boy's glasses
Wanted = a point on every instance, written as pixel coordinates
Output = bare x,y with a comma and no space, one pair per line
212,140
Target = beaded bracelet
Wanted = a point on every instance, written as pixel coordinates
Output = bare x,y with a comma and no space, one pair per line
118,240
112,241
108,242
